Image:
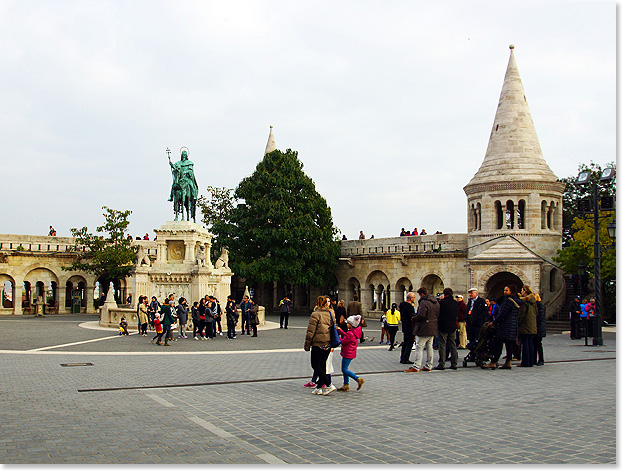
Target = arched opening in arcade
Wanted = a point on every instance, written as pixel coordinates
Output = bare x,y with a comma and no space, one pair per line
353,287
403,286
102,285
496,284
75,294
434,284
8,291
378,296
44,295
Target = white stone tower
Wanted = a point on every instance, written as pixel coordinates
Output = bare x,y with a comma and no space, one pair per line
514,201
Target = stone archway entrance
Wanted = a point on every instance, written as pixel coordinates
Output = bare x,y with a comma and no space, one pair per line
496,284
433,283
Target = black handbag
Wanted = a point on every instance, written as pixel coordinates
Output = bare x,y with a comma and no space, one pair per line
335,339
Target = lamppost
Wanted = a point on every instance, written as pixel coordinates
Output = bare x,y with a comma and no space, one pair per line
584,179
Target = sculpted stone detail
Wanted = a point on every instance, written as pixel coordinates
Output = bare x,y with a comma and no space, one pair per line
4,258
223,260
176,251
201,256
142,257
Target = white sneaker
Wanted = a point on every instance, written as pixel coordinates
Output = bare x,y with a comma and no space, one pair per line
196,338
330,388
316,391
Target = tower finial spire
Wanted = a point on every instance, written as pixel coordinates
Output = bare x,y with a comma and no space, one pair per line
271,145
513,149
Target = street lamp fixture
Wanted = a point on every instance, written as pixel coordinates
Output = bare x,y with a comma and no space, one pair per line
606,175
611,230
584,179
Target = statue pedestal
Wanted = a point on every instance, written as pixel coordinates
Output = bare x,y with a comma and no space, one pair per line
182,266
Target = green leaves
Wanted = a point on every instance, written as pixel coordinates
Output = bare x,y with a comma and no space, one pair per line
111,256
283,229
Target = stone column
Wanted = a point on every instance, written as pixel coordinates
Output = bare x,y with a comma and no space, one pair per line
161,253
366,299
61,297
17,296
188,252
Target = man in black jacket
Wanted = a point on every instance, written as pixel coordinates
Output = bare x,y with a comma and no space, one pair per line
407,312
477,314
447,318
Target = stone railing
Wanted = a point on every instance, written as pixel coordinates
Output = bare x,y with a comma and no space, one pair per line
47,244
36,243
408,245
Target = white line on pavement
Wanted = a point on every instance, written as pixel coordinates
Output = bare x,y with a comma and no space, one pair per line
211,428
161,401
151,353
266,457
73,344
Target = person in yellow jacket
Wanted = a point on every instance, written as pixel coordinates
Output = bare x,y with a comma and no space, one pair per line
393,320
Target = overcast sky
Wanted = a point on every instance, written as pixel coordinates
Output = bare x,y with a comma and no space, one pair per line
389,104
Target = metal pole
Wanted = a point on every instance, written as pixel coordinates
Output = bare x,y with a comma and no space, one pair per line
598,327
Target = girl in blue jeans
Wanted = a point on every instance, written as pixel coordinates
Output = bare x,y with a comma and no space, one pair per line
349,344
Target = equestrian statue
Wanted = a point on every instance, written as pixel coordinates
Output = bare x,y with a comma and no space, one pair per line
184,191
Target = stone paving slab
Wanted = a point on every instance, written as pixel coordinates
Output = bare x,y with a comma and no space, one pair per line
562,412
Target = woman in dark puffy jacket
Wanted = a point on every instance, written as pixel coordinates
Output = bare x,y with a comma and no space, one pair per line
527,327
541,326
506,328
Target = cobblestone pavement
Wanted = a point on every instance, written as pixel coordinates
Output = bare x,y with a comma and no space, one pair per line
242,401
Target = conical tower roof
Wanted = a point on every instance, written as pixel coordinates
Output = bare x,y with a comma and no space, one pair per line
513,152
271,145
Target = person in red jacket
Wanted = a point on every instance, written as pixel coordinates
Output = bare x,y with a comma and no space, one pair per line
349,344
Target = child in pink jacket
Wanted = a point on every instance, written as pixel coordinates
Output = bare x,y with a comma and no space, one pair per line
349,343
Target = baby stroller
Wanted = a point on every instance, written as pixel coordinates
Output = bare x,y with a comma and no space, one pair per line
480,351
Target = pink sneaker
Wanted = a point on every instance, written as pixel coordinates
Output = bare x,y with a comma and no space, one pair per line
309,385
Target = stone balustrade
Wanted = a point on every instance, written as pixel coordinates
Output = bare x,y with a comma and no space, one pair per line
406,245
47,244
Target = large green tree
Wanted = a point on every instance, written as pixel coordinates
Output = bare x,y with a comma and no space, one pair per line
216,208
283,229
109,254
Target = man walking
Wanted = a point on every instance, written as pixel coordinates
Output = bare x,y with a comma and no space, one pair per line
426,326
285,307
477,313
407,313
447,317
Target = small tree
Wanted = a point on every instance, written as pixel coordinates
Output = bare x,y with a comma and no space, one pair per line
283,231
109,257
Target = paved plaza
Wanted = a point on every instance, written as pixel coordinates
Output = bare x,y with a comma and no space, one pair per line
242,401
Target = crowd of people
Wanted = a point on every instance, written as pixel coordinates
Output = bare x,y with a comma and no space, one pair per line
515,321
206,316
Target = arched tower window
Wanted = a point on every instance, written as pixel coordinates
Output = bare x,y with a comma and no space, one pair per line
499,214
543,215
521,214
550,219
478,216
510,216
